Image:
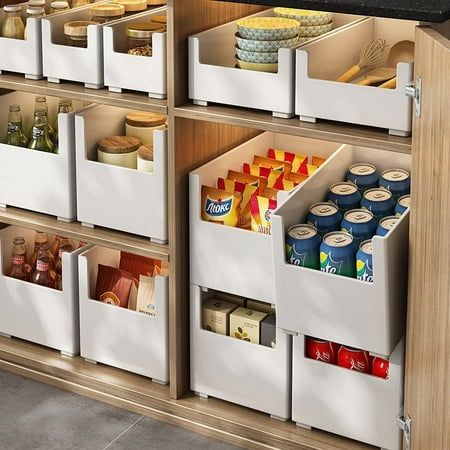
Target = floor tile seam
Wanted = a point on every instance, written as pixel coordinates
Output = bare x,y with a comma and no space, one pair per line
124,431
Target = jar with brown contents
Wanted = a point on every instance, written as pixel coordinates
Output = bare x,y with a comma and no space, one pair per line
139,37
76,33
103,13
133,6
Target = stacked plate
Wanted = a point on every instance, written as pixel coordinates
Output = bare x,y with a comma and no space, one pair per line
259,38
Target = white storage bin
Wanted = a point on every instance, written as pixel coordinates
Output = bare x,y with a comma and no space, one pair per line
118,336
213,76
117,197
35,180
337,308
64,62
36,313
248,374
23,56
346,402
138,73
321,62
241,259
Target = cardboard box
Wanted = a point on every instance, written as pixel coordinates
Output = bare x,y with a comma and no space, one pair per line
245,324
268,331
260,306
216,315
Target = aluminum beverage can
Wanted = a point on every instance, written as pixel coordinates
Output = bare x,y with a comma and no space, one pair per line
337,254
364,265
397,181
402,205
386,224
364,175
302,246
354,359
380,367
360,223
321,350
325,217
379,202
345,195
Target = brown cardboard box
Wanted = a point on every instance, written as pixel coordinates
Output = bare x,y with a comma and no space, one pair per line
216,315
245,324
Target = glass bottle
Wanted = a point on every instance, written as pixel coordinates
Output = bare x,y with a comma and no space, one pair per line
33,13
78,3
13,26
40,139
36,3
14,134
65,247
40,242
65,107
42,274
59,7
40,102
18,260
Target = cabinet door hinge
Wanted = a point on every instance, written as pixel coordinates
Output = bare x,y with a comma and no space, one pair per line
405,423
415,92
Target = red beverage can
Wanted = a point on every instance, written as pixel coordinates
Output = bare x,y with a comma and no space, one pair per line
354,359
380,367
321,350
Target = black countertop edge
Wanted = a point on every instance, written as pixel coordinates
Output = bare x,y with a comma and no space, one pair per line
421,10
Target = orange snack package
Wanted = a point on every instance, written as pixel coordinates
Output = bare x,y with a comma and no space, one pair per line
297,177
262,209
220,206
284,185
311,169
318,161
247,178
271,193
295,159
245,191
271,175
274,164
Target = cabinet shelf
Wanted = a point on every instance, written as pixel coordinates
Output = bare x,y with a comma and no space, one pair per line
77,91
98,236
324,130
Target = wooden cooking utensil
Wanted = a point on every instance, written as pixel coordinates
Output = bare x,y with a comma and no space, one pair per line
402,51
373,55
377,75
391,84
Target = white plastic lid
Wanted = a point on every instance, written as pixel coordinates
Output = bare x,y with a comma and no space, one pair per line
59,5
36,3
12,8
35,11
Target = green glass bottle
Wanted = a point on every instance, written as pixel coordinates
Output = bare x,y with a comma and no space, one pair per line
65,107
40,139
40,102
14,134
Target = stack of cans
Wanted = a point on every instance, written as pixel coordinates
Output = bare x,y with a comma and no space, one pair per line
337,237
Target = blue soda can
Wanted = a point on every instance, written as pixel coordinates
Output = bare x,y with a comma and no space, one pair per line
360,223
303,246
397,181
386,224
379,202
364,266
364,175
402,205
337,254
325,217
345,195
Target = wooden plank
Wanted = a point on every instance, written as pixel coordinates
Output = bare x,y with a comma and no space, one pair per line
215,418
325,130
98,236
428,343
76,91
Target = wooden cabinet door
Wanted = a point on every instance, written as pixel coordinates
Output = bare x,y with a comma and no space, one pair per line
427,396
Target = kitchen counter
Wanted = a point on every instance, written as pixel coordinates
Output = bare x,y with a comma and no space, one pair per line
421,10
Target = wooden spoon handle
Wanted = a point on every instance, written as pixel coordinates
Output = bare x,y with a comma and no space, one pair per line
350,74
391,84
367,81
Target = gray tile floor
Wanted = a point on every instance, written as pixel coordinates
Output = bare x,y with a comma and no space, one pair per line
35,416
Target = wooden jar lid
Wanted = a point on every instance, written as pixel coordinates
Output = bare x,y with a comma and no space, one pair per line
78,28
143,29
107,10
145,119
156,2
145,152
133,5
160,18
118,144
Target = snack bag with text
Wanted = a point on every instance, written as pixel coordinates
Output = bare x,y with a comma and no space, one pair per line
262,209
220,206
273,164
271,175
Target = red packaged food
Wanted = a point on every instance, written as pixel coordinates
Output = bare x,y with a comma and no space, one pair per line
297,161
220,206
113,286
262,209
273,164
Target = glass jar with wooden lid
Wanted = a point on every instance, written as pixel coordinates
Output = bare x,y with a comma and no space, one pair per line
13,26
78,3
59,7
118,151
76,32
139,36
156,2
133,6
160,19
141,125
106,12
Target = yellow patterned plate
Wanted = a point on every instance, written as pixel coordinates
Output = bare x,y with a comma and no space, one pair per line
305,16
267,28
272,68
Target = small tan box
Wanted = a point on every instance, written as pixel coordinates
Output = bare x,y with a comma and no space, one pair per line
236,299
245,324
216,315
260,306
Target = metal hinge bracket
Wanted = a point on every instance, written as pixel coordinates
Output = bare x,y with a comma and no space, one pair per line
405,423
415,92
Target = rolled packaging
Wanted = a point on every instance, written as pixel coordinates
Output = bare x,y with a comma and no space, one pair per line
145,159
141,125
118,151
